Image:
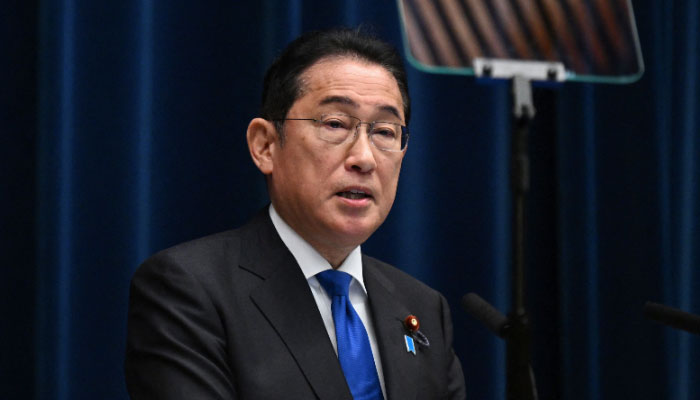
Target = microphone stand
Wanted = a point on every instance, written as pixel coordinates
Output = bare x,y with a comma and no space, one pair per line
515,328
520,379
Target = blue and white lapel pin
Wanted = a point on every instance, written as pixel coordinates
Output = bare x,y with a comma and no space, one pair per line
410,346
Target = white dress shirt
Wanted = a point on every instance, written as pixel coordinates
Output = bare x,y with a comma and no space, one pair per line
311,263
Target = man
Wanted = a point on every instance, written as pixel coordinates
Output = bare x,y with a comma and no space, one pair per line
251,313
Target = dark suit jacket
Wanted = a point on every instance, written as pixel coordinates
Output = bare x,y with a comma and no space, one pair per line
231,316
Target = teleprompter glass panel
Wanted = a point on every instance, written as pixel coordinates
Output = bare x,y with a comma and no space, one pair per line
596,40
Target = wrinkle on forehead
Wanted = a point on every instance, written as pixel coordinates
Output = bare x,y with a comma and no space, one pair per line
350,102
320,81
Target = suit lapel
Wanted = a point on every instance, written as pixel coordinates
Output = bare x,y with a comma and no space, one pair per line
400,367
286,301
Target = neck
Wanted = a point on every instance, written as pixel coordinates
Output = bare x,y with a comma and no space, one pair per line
335,258
333,252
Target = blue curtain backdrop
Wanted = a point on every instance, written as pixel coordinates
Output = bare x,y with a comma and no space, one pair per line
122,133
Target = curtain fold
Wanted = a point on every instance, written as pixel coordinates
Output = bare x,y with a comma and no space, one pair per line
133,140
677,140
579,254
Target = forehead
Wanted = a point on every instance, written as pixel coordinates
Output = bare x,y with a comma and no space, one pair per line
364,84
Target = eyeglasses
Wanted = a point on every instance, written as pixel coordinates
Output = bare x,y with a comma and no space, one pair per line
338,128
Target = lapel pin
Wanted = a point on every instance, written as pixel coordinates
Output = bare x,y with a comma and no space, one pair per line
410,346
411,323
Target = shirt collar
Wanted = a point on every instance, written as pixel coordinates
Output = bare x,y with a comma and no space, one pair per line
309,260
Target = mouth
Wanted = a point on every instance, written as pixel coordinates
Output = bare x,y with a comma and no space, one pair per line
354,194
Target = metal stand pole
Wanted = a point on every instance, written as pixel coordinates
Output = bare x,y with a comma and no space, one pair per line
520,379
515,328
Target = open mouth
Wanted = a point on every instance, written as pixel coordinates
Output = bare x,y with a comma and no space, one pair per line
354,194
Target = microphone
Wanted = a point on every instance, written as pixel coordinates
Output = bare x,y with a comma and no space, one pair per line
480,309
672,317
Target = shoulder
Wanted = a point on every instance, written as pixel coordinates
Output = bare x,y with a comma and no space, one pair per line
219,251
220,245
190,266
398,281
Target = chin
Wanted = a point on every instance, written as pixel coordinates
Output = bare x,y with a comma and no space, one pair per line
356,232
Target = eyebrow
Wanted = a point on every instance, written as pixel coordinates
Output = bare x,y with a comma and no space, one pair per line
350,102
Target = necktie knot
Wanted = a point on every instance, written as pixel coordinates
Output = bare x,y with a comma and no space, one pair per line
335,283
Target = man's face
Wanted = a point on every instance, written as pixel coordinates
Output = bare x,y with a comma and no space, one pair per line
311,180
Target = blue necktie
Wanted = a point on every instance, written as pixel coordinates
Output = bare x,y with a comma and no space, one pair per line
354,351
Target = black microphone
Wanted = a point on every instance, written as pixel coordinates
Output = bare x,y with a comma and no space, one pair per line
486,313
672,317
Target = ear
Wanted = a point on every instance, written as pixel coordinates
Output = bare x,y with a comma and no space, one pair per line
262,141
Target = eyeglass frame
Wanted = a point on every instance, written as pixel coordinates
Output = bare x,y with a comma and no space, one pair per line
404,129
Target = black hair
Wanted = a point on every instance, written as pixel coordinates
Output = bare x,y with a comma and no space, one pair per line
282,86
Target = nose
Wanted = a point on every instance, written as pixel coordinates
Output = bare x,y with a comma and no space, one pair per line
361,153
